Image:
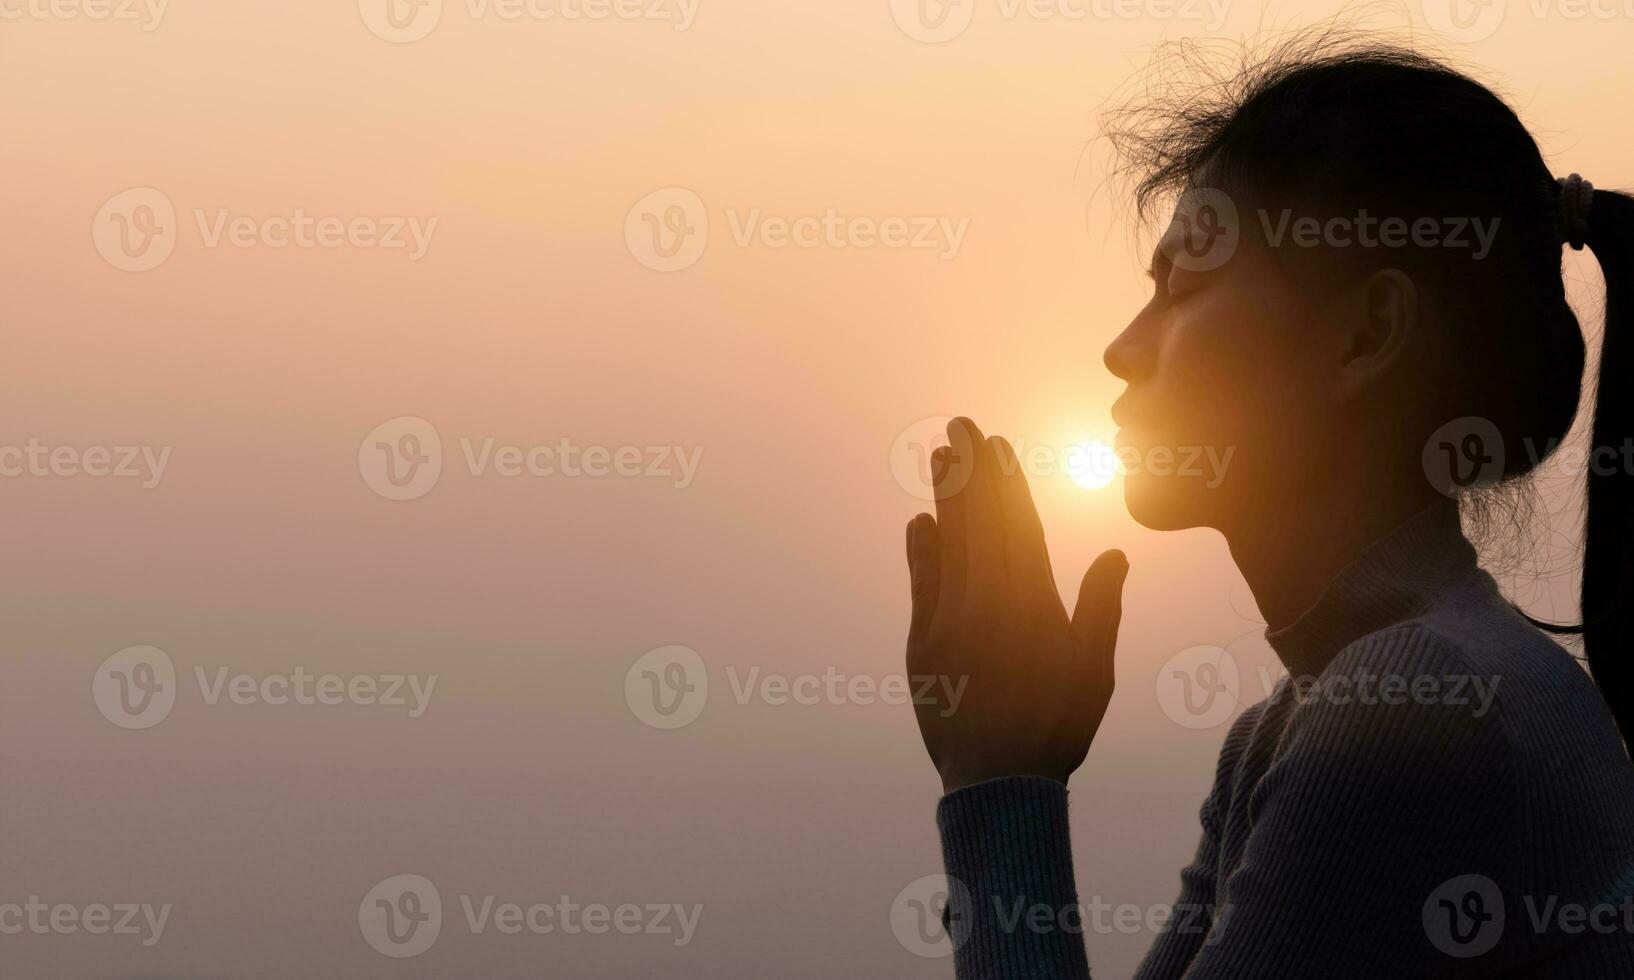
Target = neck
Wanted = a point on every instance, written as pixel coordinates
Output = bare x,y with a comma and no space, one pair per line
1290,550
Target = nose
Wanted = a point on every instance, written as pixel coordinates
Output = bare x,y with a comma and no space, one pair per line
1132,355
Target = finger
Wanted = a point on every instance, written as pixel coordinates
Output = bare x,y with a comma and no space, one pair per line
924,573
1024,550
983,519
950,521
1100,609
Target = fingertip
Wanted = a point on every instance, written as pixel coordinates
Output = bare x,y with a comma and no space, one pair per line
962,425
1112,562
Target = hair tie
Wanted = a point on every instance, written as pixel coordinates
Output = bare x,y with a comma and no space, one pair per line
1575,198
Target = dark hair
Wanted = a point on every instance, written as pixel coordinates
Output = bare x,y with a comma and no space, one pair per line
1333,123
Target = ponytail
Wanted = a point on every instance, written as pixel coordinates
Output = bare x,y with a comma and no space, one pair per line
1607,227
1608,549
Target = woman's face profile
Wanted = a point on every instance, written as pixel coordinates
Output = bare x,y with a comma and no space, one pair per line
1226,403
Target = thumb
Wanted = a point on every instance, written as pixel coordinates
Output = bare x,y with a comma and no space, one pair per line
1100,609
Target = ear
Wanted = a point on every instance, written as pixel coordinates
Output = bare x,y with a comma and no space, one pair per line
1386,318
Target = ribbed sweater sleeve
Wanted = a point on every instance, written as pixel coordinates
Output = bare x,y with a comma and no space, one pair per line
1008,853
1364,811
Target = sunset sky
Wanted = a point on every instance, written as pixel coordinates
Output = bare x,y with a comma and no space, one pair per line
786,362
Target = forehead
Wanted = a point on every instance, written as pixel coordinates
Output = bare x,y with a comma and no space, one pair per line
1204,231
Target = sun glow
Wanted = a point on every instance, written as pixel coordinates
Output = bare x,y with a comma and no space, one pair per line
1092,465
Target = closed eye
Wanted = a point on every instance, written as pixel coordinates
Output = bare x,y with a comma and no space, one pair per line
1165,278
1158,272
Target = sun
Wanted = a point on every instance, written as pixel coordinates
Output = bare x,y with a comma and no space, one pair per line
1092,465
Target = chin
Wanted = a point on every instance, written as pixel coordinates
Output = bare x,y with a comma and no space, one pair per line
1166,503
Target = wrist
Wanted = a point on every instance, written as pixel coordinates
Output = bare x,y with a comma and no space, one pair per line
952,782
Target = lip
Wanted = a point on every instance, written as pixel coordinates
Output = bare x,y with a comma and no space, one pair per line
1118,413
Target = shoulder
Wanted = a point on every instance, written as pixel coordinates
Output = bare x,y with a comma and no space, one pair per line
1411,665
1410,706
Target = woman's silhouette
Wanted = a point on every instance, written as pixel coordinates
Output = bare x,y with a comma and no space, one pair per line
1380,331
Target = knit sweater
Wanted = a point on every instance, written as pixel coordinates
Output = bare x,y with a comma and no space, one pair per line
1436,790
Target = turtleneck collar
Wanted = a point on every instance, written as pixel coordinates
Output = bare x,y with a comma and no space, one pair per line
1391,581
